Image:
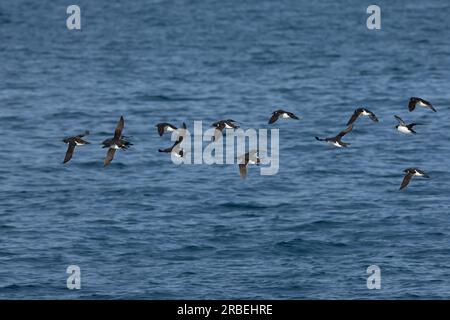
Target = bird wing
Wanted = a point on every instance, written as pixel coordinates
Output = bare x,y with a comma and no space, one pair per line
160,127
243,170
179,140
217,123
344,132
218,132
426,104
406,180
166,150
119,128
354,116
400,120
412,104
109,156
411,125
372,116
69,152
274,117
292,116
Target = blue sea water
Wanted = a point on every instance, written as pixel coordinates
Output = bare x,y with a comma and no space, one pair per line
144,228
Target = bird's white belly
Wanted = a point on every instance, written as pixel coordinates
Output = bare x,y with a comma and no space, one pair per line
336,144
404,129
169,129
285,116
227,126
115,146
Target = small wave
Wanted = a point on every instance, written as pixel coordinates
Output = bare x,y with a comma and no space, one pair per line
249,205
308,246
147,97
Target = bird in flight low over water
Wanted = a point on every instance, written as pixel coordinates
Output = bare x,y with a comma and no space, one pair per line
72,143
336,141
415,101
283,114
250,157
226,124
405,128
166,127
117,142
223,124
362,112
412,172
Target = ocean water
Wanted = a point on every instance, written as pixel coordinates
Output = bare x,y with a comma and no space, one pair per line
145,228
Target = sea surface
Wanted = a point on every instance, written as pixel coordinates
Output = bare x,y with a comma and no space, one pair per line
145,228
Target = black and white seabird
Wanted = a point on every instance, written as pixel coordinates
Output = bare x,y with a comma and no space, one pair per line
412,172
167,127
72,143
283,114
117,142
227,124
246,159
223,124
405,128
336,141
176,148
414,101
362,112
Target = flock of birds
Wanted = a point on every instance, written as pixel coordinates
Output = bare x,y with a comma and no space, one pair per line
119,141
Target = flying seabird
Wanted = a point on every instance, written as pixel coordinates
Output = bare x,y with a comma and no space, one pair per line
248,158
117,142
176,148
228,124
223,124
414,101
72,143
336,141
405,128
362,112
284,114
167,127
412,172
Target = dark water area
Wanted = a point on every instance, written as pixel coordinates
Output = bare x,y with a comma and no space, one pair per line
144,228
